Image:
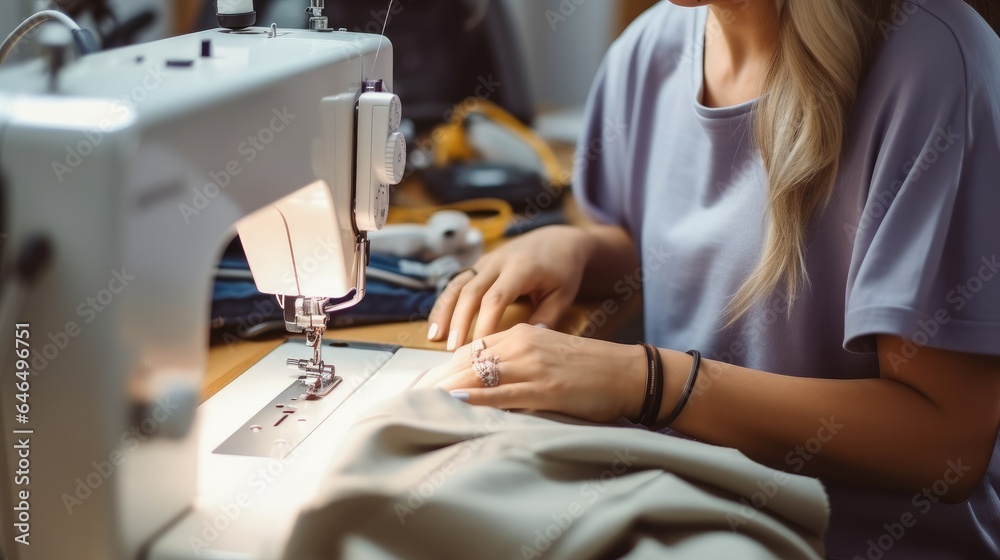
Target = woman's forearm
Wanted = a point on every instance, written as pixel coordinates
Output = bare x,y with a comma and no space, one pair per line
869,432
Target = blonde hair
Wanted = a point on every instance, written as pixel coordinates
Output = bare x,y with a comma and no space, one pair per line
823,50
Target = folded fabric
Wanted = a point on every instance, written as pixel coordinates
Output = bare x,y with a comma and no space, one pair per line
238,307
240,311
426,476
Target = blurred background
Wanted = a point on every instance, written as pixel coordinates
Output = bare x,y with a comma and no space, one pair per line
561,41
566,38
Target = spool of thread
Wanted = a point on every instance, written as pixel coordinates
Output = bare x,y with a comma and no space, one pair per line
235,14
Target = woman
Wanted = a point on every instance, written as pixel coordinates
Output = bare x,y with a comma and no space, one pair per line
810,192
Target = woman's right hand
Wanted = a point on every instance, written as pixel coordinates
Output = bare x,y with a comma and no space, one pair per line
546,265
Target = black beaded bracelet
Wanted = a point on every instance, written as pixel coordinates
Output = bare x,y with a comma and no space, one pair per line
686,394
653,411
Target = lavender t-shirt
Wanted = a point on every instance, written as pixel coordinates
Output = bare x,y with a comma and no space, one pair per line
907,246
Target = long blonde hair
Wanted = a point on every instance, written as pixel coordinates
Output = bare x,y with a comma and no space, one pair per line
823,50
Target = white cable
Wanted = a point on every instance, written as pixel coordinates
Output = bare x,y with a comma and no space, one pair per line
32,22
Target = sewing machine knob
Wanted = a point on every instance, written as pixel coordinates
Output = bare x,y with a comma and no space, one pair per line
395,113
381,157
395,159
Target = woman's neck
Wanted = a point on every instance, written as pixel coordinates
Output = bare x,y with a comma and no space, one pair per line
740,39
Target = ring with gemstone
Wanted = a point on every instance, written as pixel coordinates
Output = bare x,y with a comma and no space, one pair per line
488,371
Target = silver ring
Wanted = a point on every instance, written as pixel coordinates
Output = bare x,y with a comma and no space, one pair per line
488,371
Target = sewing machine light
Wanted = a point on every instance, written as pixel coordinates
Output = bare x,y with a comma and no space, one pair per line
63,113
317,264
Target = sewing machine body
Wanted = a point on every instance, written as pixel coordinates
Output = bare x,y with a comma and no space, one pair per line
136,171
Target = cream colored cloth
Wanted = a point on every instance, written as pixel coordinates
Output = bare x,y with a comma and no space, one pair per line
426,476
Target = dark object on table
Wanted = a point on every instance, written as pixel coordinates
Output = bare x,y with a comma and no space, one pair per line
113,31
522,189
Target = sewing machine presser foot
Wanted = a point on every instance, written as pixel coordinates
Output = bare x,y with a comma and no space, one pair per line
320,379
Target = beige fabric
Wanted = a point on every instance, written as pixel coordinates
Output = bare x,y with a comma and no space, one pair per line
426,476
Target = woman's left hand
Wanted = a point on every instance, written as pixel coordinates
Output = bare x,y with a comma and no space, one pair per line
550,371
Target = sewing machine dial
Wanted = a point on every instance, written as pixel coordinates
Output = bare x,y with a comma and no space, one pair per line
381,156
395,113
395,159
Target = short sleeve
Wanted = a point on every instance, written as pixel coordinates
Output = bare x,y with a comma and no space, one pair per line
925,259
599,173
619,105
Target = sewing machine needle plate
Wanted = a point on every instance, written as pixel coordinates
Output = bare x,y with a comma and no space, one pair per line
290,417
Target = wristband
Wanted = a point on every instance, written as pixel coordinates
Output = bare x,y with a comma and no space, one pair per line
655,395
686,394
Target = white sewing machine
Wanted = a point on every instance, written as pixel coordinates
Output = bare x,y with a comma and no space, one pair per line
124,175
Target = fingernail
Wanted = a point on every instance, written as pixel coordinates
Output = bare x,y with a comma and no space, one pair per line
542,326
452,341
433,332
461,395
